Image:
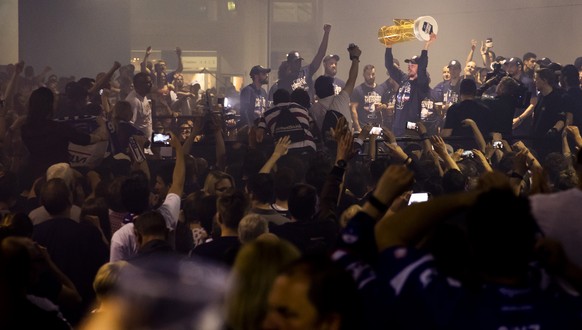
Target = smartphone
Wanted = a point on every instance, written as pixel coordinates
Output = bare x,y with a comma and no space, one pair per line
497,145
411,125
161,138
468,154
418,198
101,91
376,130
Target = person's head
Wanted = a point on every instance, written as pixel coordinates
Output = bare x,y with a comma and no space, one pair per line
261,188
303,201
471,67
163,181
283,182
105,283
122,111
135,193
330,65
178,81
412,67
294,60
186,130
324,86
260,74
55,196
301,97
97,207
446,73
455,69
19,224
570,76
529,61
231,207
544,79
507,86
313,293
161,66
501,246
217,183
142,82
40,105
114,201
468,88
247,298
514,66
251,227
150,226
281,96
369,74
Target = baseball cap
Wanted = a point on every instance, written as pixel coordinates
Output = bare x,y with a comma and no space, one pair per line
544,62
293,56
330,56
259,69
413,60
455,64
514,60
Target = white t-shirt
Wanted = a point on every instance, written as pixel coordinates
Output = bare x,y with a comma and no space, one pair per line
142,113
339,103
124,242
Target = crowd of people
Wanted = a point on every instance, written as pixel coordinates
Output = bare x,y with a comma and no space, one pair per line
134,200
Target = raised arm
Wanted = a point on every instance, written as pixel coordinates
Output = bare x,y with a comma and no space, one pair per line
281,149
441,149
144,64
479,139
179,175
316,62
106,78
355,53
471,51
180,64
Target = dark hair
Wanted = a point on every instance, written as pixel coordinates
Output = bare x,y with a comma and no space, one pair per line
232,207
468,87
324,87
281,96
97,207
513,233
453,181
150,223
166,173
325,277
529,55
113,197
508,86
40,105
135,193
55,196
570,75
547,75
19,224
139,76
192,207
261,187
283,182
8,186
301,97
302,201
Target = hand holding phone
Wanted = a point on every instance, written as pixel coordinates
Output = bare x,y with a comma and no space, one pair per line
376,130
418,198
161,138
412,126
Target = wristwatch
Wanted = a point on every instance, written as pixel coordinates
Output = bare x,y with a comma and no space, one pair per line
341,163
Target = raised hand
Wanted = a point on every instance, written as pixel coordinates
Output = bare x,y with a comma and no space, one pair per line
326,28
282,146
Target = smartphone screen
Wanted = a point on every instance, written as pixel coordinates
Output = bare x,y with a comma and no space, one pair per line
497,144
411,125
162,138
418,198
376,130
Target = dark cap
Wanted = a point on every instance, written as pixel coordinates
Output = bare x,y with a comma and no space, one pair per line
544,62
330,56
454,64
259,69
413,60
514,60
293,56
578,63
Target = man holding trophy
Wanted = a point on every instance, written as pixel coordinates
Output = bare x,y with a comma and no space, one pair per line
414,85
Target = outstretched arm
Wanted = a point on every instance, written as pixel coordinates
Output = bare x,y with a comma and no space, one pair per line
281,149
471,51
106,78
355,53
316,62
180,64
143,64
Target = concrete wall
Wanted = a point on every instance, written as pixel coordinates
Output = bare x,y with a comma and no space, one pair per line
74,37
9,31
547,28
